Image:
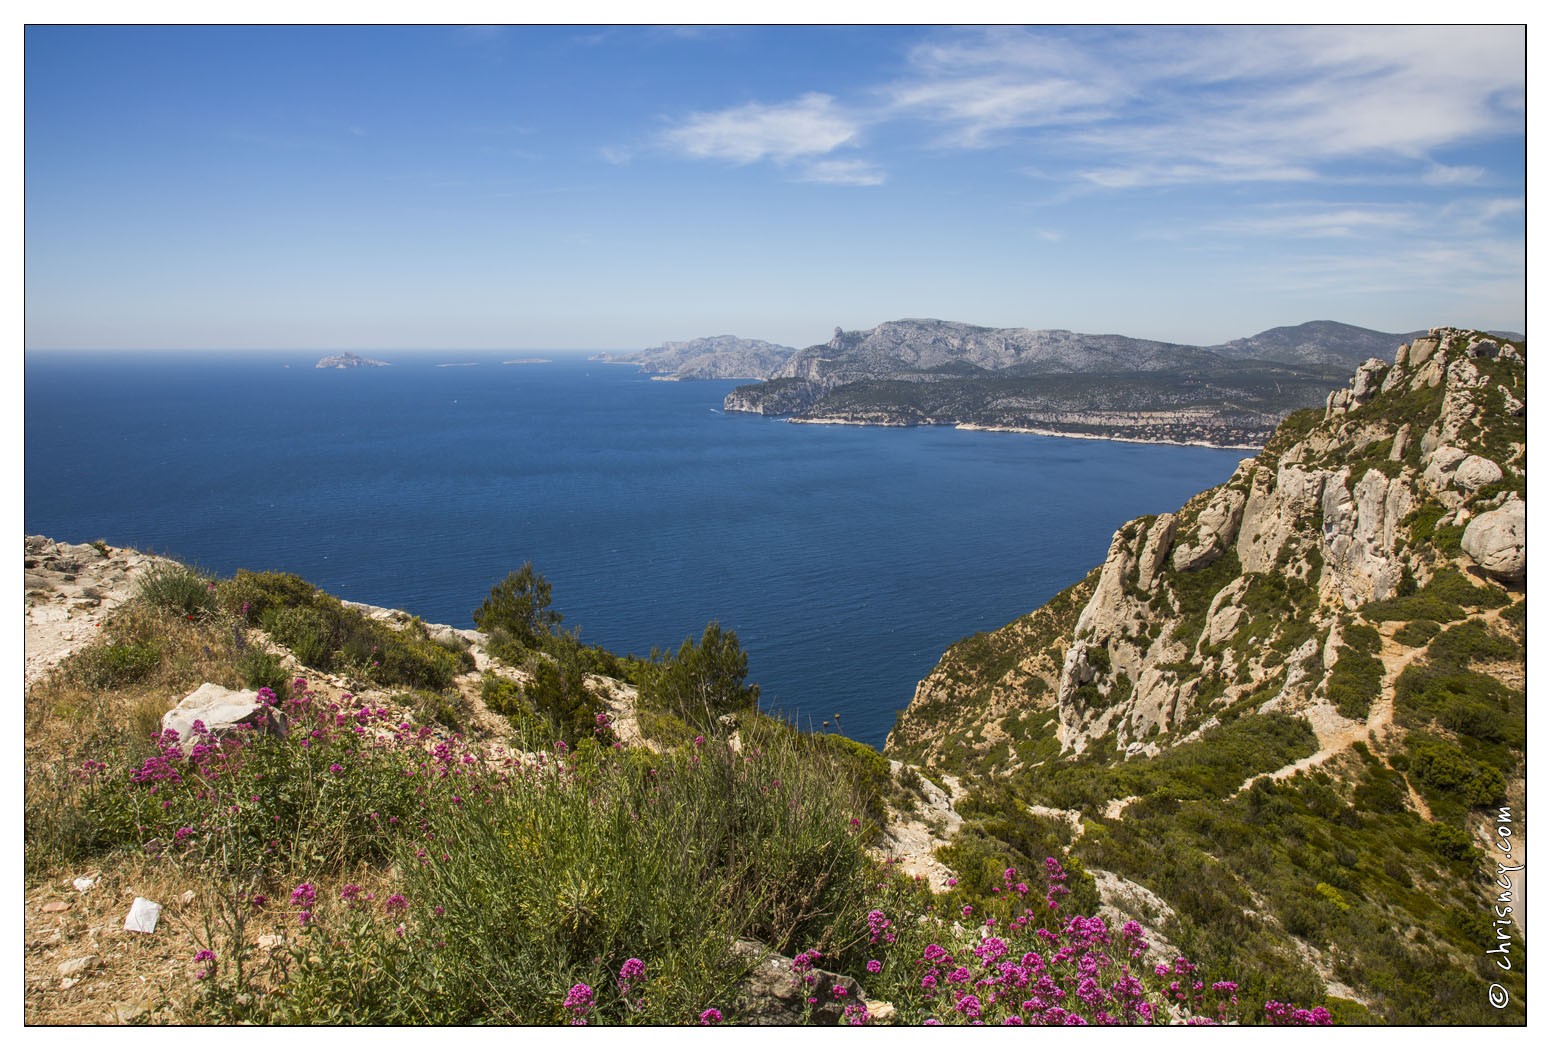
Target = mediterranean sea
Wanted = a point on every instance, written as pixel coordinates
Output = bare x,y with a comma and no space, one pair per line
846,558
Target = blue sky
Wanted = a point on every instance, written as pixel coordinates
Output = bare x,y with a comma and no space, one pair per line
615,188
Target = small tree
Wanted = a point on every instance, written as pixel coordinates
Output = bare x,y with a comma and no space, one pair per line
559,692
705,681
519,607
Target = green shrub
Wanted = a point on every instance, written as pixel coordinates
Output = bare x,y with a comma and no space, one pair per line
258,669
1450,842
519,607
177,589
1355,680
1471,641
1447,770
250,595
702,681
305,632
118,664
1416,632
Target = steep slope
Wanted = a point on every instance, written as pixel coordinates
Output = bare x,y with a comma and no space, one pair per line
1305,687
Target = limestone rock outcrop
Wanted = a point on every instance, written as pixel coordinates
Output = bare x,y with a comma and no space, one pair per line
1495,541
1320,523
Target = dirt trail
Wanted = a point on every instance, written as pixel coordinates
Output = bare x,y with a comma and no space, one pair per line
1336,733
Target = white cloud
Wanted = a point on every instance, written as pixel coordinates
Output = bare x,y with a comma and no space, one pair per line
809,126
1451,175
1142,107
845,173
1338,222
615,154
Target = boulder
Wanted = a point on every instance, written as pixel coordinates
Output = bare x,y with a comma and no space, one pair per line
1439,472
1495,541
221,711
1474,472
774,993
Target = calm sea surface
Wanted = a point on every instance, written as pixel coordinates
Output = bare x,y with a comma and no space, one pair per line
846,558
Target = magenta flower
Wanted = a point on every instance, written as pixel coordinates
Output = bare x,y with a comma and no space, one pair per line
710,1016
873,966
579,1000
304,895
396,904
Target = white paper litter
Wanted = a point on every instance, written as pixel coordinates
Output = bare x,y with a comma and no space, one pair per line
142,916
84,883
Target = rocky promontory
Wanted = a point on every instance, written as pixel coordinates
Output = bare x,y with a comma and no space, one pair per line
709,357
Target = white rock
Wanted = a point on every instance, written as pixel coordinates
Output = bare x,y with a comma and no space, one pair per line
1495,541
221,711
1474,472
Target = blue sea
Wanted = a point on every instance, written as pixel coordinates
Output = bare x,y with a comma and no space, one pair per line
846,558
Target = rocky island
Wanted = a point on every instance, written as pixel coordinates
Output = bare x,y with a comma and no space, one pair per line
349,361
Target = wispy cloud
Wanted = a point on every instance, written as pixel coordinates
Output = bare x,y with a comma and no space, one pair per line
1135,108
1116,110
617,155
844,173
1324,222
812,125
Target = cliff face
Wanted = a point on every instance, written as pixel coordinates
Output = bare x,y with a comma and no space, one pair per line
1293,710
1250,583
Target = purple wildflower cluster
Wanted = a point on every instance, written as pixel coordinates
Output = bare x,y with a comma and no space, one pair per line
1075,971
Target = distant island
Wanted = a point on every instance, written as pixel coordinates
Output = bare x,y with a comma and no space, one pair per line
349,361
527,361
456,364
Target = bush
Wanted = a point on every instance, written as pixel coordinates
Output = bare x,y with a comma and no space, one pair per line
519,607
305,632
1471,641
1355,680
1416,633
177,589
1446,769
1450,842
250,595
118,664
259,669
702,681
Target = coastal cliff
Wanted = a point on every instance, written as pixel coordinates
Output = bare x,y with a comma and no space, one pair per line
1339,626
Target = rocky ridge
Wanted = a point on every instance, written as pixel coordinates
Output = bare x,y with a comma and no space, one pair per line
925,371
1345,615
